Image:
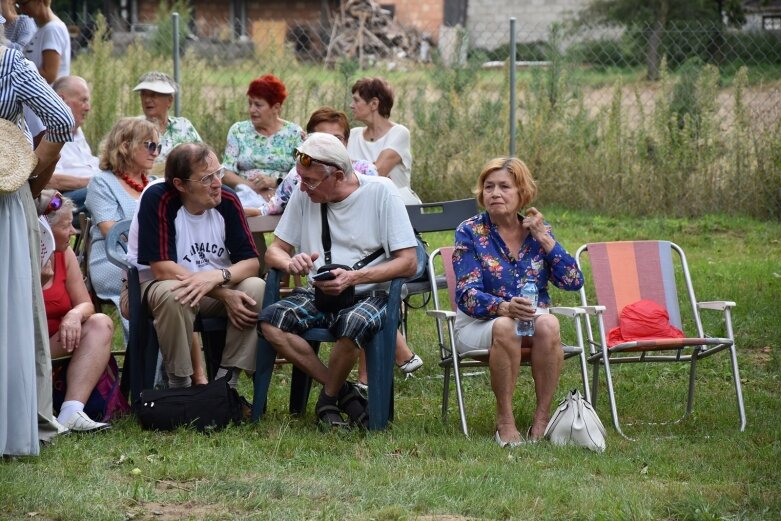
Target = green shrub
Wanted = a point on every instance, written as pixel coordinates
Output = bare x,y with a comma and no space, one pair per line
161,41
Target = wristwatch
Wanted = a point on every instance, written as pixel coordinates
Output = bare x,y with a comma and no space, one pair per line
226,276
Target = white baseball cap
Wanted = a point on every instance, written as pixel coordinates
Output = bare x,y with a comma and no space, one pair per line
325,148
156,82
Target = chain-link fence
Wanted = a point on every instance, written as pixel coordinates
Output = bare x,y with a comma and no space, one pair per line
683,120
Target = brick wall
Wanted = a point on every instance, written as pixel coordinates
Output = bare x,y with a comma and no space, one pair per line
211,16
426,15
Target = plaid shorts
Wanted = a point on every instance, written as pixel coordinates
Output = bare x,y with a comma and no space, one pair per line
297,314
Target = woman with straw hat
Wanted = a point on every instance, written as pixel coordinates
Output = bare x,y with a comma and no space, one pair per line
25,374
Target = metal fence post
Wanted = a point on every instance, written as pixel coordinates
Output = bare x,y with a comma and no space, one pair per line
512,86
175,21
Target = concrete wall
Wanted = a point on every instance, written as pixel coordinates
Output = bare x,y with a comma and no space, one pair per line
489,26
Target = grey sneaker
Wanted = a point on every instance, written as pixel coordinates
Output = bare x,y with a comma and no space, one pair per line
411,365
80,422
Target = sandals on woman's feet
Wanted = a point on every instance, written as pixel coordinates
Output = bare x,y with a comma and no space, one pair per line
328,413
354,405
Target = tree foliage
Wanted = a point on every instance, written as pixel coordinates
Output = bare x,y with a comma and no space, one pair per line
655,16
627,12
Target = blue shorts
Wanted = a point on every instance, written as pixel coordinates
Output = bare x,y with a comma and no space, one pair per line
297,314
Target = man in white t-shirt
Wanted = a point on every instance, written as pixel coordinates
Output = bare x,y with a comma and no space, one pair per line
77,165
365,215
195,254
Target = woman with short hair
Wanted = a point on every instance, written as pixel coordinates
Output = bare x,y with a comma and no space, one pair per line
381,141
75,329
496,252
157,90
259,151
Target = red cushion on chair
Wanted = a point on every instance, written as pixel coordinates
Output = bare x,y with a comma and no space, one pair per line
642,320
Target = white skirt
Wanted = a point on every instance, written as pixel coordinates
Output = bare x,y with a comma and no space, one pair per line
18,398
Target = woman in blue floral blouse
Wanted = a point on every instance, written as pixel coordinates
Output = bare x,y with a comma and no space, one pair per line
259,151
495,252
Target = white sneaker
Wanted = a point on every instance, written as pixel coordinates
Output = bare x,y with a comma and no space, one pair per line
80,422
411,365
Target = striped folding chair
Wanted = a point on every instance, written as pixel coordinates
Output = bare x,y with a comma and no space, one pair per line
452,358
625,272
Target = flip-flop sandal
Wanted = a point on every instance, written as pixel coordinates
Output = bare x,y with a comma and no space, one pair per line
354,405
328,414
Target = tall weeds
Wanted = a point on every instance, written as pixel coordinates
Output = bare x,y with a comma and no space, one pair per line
681,154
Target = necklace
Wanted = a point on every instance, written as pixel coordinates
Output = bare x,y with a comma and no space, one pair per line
138,187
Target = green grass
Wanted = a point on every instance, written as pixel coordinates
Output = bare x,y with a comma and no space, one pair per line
285,468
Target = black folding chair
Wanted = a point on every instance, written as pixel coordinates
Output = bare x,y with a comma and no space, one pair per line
432,217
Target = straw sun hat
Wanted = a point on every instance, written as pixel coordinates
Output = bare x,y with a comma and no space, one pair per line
17,159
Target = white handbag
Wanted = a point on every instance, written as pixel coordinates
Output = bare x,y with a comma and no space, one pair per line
575,421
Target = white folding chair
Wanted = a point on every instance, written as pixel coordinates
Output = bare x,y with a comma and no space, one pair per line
451,358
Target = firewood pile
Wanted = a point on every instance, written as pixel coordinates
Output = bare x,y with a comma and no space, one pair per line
364,31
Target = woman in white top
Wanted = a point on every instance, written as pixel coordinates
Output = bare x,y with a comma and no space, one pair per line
385,143
50,48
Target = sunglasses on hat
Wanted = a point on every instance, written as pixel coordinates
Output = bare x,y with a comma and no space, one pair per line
306,160
55,203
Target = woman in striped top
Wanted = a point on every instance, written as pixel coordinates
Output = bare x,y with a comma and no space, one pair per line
24,346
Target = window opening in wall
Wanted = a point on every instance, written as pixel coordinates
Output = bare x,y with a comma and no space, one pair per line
771,23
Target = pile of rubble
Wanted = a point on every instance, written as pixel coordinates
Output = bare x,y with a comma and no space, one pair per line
364,31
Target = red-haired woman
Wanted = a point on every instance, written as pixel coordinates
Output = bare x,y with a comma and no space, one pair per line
259,151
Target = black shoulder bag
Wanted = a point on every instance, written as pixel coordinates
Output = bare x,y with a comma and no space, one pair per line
335,303
206,407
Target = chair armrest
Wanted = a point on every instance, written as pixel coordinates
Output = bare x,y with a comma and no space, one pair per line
271,295
114,239
717,305
566,311
440,313
593,310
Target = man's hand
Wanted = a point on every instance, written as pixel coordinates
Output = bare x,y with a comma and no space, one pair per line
302,263
193,287
343,279
239,307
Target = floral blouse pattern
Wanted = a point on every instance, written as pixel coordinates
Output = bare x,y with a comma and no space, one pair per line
250,154
486,275
177,131
276,205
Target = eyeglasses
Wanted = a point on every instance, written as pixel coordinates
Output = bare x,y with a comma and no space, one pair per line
55,203
209,178
153,147
307,160
313,186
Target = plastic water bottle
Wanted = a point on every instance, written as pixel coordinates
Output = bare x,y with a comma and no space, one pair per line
529,291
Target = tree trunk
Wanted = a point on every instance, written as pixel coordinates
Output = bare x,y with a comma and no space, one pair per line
653,56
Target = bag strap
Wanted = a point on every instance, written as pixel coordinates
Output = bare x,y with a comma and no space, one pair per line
326,238
325,233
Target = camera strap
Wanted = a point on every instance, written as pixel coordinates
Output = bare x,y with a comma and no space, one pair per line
326,238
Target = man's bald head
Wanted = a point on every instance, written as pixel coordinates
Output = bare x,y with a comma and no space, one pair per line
75,92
